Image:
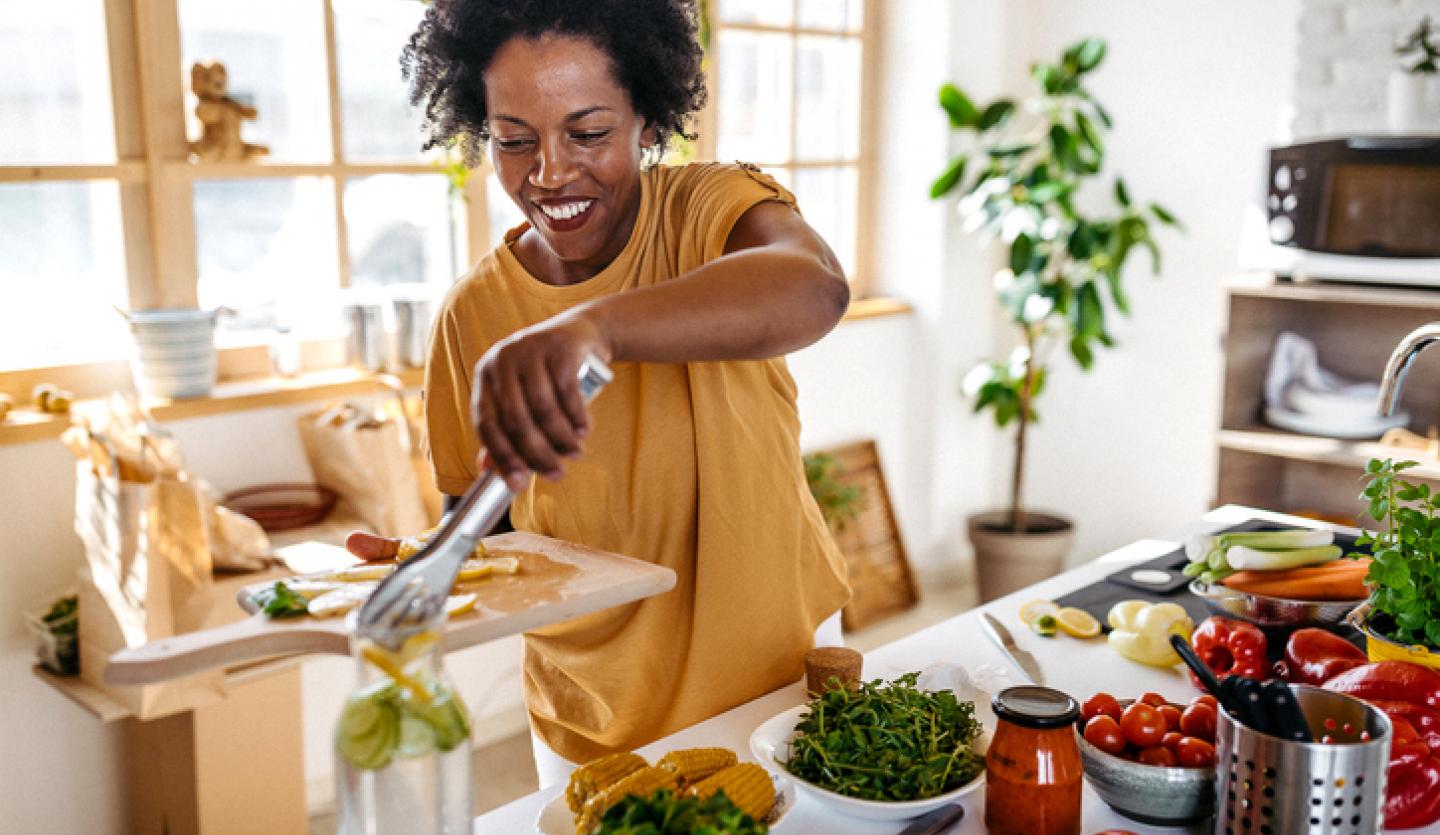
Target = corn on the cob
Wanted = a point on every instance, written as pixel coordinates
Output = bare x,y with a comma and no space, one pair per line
597,775
691,765
641,782
747,785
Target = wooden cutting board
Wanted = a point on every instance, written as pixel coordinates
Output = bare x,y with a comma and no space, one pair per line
557,581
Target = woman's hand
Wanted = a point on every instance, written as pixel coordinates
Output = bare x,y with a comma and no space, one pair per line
527,405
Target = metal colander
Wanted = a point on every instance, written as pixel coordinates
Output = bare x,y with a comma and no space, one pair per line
1271,786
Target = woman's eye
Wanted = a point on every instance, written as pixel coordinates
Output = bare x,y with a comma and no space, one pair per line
512,144
590,135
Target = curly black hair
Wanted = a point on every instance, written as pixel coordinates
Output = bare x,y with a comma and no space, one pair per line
651,43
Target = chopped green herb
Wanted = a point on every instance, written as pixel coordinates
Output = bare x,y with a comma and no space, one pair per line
665,814
279,601
887,741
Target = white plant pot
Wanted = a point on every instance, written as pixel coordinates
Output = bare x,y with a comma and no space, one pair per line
1406,108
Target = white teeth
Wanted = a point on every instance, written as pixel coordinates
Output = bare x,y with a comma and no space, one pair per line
566,211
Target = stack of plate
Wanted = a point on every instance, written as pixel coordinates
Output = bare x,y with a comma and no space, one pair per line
174,352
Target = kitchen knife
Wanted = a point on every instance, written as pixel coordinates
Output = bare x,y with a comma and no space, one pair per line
1022,659
936,822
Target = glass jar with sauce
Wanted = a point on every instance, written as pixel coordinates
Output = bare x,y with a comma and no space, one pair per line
1033,773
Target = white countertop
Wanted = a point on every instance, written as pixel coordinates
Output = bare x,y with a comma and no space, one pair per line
1069,664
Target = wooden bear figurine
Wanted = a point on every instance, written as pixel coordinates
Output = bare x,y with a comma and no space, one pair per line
220,117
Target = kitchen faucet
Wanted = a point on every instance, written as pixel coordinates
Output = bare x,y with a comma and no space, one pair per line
1399,364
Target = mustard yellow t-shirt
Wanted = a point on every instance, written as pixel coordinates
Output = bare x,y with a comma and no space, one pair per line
695,467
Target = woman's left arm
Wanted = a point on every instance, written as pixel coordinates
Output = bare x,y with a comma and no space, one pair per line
777,288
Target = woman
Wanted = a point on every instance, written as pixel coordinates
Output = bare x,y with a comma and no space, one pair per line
692,283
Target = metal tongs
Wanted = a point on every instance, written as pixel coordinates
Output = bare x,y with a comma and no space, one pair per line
414,595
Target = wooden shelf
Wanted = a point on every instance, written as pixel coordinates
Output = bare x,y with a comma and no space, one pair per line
28,426
1374,295
1321,450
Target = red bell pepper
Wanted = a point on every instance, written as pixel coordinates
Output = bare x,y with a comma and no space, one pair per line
1314,656
1412,796
1397,681
1230,647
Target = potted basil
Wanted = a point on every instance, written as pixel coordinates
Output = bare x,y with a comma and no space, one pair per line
1020,174
1401,620
1405,92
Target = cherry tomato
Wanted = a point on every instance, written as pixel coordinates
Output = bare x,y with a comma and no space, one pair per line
1171,739
1195,753
1206,699
1142,725
1198,721
1157,755
1172,717
1098,704
1104,733
1153,698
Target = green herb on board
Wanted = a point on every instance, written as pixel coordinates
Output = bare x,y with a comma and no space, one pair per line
279,601
887,741
1404,578
663,813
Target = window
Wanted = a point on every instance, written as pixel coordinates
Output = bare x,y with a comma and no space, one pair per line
101,207
787,85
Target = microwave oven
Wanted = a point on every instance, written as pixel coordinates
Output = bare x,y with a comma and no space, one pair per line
1357,209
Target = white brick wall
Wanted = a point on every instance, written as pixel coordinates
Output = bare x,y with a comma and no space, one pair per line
1346,55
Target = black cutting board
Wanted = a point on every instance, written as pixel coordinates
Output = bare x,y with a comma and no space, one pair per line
1098,597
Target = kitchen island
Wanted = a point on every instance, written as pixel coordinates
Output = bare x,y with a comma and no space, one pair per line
1078,667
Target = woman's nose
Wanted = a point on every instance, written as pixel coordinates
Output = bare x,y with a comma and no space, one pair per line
553,166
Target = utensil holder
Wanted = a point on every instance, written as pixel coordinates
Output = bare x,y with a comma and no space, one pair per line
1269,786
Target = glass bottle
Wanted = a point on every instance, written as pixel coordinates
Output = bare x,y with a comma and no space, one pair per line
402,744
1033,772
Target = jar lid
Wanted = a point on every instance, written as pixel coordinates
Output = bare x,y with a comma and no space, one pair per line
1031,706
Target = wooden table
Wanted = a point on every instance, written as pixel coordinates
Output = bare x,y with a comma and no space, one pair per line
1076,667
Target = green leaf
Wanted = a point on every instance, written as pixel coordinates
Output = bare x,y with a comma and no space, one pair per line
1082,353
958,107
1021,251
1047,190
1065,148
1010,149
1117,292
1047,76
1164,215
1089,132
1103,115
1122,194
1090,315
1090,53
951,178
996,114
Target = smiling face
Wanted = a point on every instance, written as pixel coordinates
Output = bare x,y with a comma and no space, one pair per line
567,146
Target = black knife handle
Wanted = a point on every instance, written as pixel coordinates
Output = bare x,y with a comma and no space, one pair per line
935,822
1287,719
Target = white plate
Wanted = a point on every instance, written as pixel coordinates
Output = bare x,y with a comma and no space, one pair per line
770,744
1358,430
555,817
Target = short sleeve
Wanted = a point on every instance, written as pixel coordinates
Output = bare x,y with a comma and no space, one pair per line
720,196
452,440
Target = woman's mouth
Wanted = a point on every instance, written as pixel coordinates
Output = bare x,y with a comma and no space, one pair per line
566,216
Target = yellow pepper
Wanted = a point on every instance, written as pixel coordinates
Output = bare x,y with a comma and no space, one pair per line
1141,630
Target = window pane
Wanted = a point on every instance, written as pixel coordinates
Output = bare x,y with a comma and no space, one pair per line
754,97
267,250
504,214
62,270
828,200
846,15
55,83
782,176
399,230
275,54
767,12
827,75
378,121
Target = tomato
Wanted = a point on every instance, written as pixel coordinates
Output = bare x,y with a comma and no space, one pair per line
1171,739
1142,725
1153,698
1198,721
1195,753
1172,717
1098,704
1104,733
1157,755
1206,699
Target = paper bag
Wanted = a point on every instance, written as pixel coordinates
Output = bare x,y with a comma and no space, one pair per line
148,567
364,456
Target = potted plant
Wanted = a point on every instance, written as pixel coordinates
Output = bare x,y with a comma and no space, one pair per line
1401,620
1405,92
1020,174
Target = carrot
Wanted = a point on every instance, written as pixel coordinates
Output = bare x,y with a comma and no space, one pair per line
1339,580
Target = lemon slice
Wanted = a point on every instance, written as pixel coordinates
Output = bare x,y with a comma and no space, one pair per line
1077,623
1036,609
457,604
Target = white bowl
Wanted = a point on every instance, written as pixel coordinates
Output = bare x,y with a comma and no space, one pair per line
770,745
555,817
